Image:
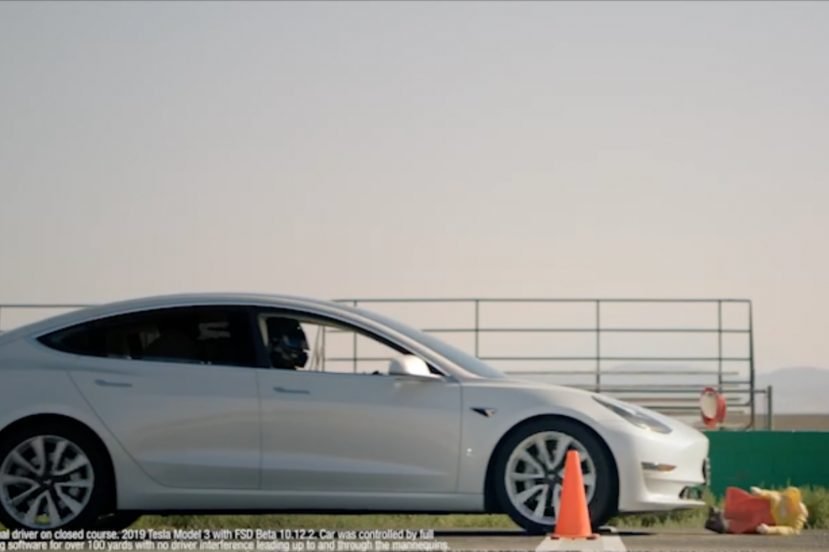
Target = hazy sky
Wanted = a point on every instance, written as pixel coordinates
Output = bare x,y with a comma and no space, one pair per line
421,149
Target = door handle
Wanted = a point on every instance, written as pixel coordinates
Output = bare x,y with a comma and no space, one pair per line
292,391
104,383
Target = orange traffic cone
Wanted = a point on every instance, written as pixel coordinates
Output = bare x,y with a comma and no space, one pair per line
573,517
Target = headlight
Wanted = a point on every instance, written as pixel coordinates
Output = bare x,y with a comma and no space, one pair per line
634,415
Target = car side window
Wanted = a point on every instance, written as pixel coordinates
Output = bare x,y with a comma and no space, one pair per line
195,335
300,343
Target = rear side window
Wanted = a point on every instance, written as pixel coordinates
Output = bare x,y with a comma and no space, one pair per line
201,335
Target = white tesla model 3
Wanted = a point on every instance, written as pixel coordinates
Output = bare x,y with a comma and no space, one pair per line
231,403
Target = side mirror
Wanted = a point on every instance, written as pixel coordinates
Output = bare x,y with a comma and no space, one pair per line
410,365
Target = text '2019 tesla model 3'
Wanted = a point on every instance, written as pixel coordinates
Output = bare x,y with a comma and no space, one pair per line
228,403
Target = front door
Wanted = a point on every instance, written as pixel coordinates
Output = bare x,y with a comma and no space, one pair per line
362,433
347,430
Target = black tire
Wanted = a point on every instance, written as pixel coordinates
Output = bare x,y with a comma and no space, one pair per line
116,521
98,465
602,505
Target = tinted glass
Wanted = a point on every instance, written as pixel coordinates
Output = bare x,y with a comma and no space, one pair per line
201,335
464,360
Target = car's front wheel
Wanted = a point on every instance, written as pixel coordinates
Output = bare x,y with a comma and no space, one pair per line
529,470
51,477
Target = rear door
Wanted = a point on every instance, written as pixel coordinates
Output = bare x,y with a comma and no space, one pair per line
177,388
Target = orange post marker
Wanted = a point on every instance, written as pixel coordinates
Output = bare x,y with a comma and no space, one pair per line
573,516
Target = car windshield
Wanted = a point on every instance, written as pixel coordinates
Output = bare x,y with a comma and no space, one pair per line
466,361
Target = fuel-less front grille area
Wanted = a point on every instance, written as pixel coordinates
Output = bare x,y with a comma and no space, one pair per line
696,492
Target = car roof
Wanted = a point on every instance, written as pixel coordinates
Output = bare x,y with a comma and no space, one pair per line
178,300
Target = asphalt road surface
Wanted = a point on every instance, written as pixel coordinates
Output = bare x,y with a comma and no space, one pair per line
611,540
635,541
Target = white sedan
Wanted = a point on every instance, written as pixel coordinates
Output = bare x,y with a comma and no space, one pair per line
231,403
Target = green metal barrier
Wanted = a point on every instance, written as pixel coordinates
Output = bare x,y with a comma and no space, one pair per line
768,459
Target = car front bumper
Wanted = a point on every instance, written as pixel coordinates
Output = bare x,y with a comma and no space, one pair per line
657,471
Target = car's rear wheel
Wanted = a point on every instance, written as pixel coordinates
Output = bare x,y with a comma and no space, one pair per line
51,477
529,470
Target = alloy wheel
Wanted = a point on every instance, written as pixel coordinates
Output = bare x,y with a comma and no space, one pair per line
535,472
46,481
